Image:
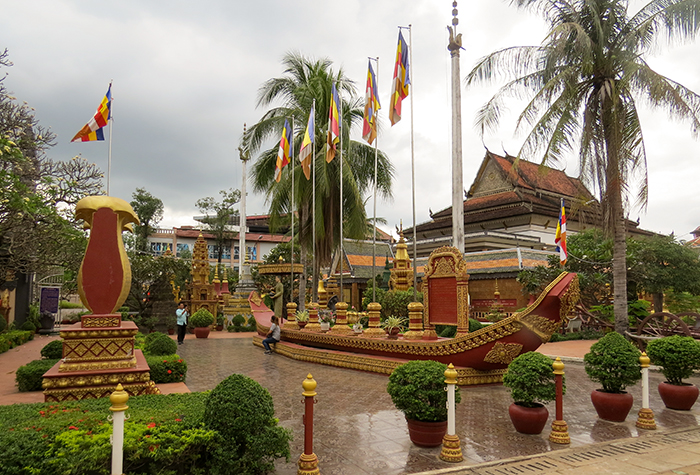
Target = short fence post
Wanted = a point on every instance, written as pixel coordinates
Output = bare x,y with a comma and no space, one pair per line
645,416
560,431
118,399
451,451
308,462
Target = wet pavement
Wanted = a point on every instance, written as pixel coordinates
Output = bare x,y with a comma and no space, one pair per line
358,431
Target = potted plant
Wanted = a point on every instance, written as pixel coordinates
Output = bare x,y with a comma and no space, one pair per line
392,326
417,389
171,323
614,363
530,378
302,318
357,328
679,357
325,318
201,321
220,322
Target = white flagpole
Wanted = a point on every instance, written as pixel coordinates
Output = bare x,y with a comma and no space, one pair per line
291,207
109,152
413,166
313,205
342,254
374,221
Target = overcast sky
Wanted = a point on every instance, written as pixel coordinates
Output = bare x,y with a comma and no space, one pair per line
186,76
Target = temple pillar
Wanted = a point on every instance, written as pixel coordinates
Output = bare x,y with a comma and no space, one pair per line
374,330
415,322
341,320
291,323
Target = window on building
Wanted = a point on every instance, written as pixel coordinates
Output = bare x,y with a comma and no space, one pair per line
160,248
236,252
252,252
183,248
225,254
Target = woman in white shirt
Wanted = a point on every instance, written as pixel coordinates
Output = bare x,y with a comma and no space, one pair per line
273,336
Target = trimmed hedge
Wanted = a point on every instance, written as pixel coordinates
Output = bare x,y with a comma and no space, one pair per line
164,434
29,376
159,344
167,369
53,350
9,340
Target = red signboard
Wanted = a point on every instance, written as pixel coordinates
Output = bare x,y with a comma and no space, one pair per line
442,299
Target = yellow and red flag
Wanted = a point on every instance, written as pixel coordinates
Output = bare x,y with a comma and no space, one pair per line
283,152
307,145
560,236
372,105
399,89
333,138
93,129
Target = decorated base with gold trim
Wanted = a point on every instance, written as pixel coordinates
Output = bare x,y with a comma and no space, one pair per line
308,464
645,419
451,450
560,433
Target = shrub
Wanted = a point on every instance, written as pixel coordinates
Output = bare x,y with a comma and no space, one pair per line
530,378
29,376
140,341
159,344
417,388
677,355
29,326
446,331
13,338
53,350
249,438
167,369
613,362
3,324
582,335
475,325
164,435
202,318
396,302
238,320
230,329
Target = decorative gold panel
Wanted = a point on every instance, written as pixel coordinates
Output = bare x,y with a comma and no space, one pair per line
503,353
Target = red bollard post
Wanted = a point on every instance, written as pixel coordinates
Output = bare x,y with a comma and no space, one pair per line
560,431
308,462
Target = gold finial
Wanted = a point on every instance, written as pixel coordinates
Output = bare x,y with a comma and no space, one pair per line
118,399
309,385
558,366
225,274
281,260
450,374
644,360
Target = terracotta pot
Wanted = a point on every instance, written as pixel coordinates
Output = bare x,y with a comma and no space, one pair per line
426,434
528,420
219,328
171,331
301,324
393,334
201,332
612,406
680,397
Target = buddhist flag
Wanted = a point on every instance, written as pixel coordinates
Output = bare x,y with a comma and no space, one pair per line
93,129
283,152
560,236
399,88
333,138
307,145
369,125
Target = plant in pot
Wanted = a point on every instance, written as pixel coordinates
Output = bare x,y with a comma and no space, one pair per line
614,363
392,325
325,318
171,323
417,389
679,357
302,318
220,322
201,321
530,378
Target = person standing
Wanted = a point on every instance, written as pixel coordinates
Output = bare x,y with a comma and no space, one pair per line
182,315
277,296
273,335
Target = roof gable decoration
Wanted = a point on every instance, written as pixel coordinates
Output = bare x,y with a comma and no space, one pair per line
490,179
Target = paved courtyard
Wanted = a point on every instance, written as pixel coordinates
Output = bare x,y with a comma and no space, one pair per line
358,431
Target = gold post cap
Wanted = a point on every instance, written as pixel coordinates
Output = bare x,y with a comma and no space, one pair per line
558,366
415,306
118,399
374,307
309,385
644,360
450,374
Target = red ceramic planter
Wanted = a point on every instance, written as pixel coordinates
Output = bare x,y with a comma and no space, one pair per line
612,406
426,434
202,332
681,397
528,420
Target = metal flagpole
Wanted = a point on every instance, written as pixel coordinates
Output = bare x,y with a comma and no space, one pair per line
374,222
342,254
109,152
313,206
291,207
413,166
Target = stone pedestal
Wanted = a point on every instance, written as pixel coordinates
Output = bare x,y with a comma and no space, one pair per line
313,325
374,330
341,321
415,322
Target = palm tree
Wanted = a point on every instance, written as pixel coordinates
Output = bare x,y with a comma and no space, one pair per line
583,83
304,81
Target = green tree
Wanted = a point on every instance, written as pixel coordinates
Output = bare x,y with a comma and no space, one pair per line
303,82
219,218
582,84
149,209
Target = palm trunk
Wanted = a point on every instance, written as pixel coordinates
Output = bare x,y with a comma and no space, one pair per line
620,274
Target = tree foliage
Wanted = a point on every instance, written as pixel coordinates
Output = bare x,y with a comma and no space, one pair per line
582,85
218,217
149,209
